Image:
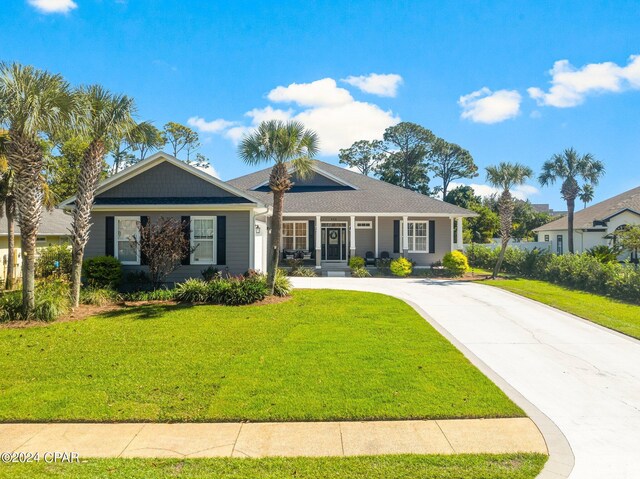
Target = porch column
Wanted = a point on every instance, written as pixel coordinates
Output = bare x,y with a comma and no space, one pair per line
405,235
352,237
318,234
453,238
459,231
376,233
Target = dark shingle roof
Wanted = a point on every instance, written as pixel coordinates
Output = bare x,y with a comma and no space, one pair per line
369,196
54,223
584,219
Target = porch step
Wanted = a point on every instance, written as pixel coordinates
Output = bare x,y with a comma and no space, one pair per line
336,273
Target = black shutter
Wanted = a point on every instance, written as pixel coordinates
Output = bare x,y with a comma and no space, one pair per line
186,231
221,240
432,236
396,236
312,236
109,236
144,221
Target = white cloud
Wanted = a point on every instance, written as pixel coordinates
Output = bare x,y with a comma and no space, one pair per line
485,106
522,192
338,119
214,126
53,6
210,170
570,85
323,92
376,84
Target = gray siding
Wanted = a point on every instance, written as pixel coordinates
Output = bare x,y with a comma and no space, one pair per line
165,180
314,179
365,239
442,237
238,237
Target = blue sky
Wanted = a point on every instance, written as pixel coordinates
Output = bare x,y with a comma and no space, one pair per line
509,81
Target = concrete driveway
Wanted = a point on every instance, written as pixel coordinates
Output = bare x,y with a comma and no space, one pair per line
584,378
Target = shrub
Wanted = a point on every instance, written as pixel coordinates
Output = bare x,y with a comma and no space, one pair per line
303,272
52,301
154,295
282,284
11,306
99,296
455,262
356,262
361,272
401,267
238,291
192,291
383,265
103,272
54,260
604,253
210,273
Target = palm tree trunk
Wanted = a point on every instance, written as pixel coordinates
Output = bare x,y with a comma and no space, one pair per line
87,184
10,208
279,182
571,206
505,208
26,159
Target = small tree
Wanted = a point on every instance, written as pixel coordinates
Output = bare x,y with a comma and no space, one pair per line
163,245
629,240
451,162
180,137
363,155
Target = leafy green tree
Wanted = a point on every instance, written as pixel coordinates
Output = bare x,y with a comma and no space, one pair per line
505,176
629,239
144,138
450,162
32,103
104,116
526,219
180,137
462,196
363,155
569,167
283,144
483,227
408,146
587,192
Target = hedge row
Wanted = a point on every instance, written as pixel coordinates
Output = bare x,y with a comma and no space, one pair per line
580,271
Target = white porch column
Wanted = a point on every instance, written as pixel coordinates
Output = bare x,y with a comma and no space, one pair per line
352,237
376,233
405,235
453,238
318,234
459,235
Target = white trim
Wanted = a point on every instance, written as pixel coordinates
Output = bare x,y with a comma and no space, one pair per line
377,213
406,229
352,234
213,240
306,242
318,170
155,160
377,242
116,239
252,238
404,237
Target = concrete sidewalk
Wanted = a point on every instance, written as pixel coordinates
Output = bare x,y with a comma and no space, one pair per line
276,439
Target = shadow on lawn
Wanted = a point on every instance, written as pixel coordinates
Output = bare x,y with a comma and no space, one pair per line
145,311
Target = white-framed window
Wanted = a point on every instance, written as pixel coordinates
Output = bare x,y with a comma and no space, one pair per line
295,235
364,225
203,239
127,239
418,236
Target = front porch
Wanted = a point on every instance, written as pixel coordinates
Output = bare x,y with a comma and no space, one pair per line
328,242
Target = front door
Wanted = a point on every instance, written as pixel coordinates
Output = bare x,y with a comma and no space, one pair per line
334,243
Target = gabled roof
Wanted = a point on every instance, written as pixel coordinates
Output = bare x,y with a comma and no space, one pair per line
53,223
155,160
597,215
365,195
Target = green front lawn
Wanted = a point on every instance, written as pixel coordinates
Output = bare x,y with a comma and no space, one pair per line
323,355
506,466
622,317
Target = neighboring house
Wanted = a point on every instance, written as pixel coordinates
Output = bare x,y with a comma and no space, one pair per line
595,225
54,229
330,216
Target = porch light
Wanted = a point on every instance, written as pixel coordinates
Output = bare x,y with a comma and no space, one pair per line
257,229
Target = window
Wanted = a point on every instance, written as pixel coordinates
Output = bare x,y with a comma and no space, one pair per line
364,225
560,246
418,237
546,238
203,239
294,235
127,238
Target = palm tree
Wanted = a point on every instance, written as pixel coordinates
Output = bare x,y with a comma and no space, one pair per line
7,206
32,102
587,193
104,116
282,144
569,166
506,176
